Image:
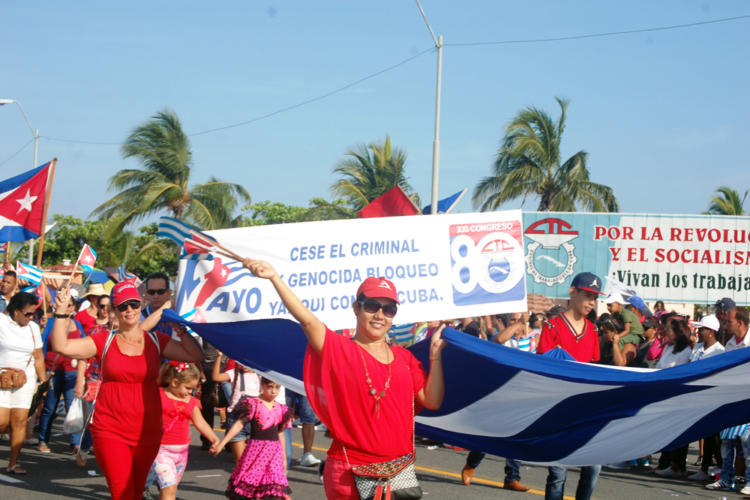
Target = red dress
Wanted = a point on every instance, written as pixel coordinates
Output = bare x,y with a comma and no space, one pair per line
338,391
128,407
176,417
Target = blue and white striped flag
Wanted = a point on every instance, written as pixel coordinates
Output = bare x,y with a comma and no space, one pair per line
531,407
195,244
402,335
29,273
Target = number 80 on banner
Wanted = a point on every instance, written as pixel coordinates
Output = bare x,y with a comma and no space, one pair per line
486,266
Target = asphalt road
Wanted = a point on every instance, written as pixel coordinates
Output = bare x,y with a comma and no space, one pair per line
56,476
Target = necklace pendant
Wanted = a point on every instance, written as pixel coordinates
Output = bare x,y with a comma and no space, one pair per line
373,391
382,394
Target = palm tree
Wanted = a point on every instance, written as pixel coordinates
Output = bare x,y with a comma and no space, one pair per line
529,164
727,202
162,183
370,171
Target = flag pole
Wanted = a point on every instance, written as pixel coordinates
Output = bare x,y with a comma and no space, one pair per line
44,215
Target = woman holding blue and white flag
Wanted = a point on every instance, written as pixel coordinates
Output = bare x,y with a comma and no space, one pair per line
377,388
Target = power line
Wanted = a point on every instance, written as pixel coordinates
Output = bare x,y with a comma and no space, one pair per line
276,112
314,99
599,35
75,141
16,153
409,59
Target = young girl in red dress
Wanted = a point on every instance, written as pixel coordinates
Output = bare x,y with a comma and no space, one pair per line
178,409
261,472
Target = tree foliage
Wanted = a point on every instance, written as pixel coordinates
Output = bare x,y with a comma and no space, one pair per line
368,172
727,201
529,164
163,183
142,253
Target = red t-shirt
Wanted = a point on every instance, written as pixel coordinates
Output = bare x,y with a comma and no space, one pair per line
337,388
85,319
128,407
558,332
176,417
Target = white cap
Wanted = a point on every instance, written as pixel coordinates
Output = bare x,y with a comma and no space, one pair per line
711,322
615,297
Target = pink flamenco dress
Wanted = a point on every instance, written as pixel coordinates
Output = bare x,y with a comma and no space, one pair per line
260,471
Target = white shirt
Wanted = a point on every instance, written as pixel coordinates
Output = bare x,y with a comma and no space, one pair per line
700,351
732,343
17,343
669,358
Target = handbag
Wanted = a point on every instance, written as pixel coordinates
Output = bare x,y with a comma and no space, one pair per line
391,480
12,378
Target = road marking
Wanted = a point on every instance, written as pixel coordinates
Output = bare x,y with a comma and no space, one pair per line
211,475
11,480
453,475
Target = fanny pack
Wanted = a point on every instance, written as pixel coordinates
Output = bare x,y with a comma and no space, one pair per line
391,480
12,378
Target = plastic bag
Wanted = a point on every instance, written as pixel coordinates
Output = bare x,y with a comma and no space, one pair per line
74,419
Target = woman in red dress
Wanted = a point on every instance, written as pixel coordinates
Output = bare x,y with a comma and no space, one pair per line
377,387
126,437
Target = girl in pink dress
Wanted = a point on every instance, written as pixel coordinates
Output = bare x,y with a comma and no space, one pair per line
261,471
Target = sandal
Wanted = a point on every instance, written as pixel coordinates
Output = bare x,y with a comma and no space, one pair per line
16,470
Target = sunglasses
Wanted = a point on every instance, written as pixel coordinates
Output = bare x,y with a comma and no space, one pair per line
29,314
372,306
133,304
159,291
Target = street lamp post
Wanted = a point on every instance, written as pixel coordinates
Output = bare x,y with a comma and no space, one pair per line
436,141
35,133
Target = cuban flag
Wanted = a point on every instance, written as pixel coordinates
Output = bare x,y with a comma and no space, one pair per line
22,204
195,244
4,247
403,335
87,258
124,275
29,273
530,407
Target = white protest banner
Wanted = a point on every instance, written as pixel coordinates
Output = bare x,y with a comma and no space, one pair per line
443,266
675,258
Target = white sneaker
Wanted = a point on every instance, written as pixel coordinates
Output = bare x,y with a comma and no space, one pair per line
309,460
745,490
699,476
719,485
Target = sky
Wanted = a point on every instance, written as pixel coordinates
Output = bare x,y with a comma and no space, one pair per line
663,114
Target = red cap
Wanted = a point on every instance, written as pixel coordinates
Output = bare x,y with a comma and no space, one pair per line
124,291
378,288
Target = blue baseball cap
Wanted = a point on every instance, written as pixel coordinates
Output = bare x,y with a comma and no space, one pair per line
636,302
588,281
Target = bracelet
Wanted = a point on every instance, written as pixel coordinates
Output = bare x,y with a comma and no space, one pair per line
62,316
435,359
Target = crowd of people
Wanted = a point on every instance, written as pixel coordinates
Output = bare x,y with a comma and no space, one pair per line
113,350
